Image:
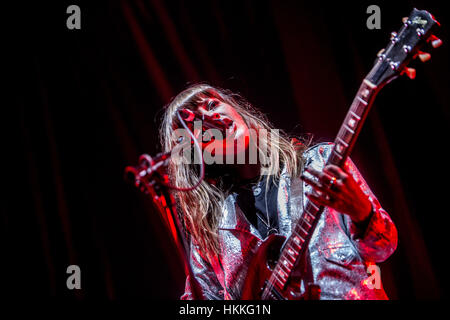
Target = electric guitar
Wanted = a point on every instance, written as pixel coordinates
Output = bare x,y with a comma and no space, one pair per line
274,260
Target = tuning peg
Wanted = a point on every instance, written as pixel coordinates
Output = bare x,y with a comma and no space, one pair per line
410,73
424,56
435,41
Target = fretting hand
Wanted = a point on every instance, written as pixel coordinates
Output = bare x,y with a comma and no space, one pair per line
336,188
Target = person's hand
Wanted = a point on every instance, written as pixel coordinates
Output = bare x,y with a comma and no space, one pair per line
336,188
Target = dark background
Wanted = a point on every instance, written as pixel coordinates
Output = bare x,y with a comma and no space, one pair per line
80,105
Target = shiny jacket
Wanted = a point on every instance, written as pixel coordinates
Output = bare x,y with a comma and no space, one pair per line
339,252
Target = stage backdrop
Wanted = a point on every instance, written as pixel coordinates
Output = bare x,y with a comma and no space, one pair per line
80,105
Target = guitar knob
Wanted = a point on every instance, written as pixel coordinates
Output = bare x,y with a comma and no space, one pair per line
394,65
406,21
435,41
410,73
394,37
424,56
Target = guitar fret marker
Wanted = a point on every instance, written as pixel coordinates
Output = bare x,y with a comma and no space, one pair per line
339,148
307,218
292,253
289,257
353,120
298,241
285,268
351,123
287,263
282,274
340,145
309,215
365,93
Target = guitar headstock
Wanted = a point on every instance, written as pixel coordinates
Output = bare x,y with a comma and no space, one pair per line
404,46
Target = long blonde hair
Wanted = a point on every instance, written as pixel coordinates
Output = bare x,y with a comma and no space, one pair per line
202,207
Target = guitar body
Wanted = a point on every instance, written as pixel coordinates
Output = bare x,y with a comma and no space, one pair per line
261,267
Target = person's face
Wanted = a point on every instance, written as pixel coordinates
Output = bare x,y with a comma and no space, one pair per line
234,141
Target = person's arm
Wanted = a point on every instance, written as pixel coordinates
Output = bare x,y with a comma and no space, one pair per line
376,236
369,226
205,275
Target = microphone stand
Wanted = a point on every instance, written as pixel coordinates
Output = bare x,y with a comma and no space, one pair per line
151,177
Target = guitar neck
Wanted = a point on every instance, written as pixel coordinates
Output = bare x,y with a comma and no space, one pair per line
343,145
352,124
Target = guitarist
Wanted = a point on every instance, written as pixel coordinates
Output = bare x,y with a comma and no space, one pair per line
237,206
